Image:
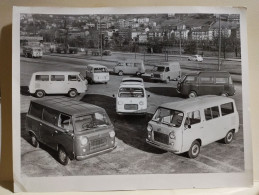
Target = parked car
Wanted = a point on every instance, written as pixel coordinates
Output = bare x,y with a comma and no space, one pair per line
32,52
130,66
107,52
73,50
131,98
57,82
197,58
206,83
74,129
96,73
96,53
166,71
185,126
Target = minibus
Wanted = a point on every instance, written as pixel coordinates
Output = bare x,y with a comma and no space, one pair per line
96,73
32,52
76,130
131,98
166,72
206,83
57,82
185,126
130,66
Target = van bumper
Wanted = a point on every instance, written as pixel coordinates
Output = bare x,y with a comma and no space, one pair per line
96,153
135,112
162,147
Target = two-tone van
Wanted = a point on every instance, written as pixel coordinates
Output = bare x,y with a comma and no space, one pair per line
32,52
57,82
166,72
206,83
76,130
130,66
185,126
96,73
131,97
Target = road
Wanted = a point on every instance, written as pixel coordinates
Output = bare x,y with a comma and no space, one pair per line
132,155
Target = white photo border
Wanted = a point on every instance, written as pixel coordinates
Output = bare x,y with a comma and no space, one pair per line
127,182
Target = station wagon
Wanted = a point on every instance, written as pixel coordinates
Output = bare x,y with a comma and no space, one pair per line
74,129
185,126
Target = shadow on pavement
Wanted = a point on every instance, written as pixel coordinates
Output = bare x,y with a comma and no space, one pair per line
131,129
165,91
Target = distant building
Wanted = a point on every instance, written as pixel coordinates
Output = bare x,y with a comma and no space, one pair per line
125,33
143,20
142,38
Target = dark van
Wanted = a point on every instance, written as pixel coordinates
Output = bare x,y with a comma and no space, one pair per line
206,83
76,130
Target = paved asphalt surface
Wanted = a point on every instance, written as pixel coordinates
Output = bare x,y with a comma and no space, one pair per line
132,155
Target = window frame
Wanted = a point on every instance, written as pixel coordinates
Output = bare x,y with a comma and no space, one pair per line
59,122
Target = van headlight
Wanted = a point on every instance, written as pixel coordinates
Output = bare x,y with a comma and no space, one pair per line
112,133
119,102
149,127
83,141
172,135
141,103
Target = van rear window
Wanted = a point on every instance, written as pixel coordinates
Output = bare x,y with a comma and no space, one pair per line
227,108
42,77
36,110
57,77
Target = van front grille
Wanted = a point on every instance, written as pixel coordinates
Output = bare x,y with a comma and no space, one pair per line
98,143
131,106
160,137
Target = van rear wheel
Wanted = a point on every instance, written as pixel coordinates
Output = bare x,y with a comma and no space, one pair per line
39,93
224,94
229,137
120,73
138,74
72,93
192,94
62,156
194,149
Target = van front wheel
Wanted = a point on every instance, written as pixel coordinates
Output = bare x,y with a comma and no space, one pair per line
192,94
62,156
40,93
72,93
194,149
229,137
120,73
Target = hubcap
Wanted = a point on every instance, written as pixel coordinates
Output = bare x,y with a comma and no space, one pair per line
62,155
192,95
229,137
72,93
195,150
33,140
40,94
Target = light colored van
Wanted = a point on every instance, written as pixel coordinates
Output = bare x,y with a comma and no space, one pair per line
32,52
74,129
96,73
130,66
206,83
57,82
166,71
131,98
185,126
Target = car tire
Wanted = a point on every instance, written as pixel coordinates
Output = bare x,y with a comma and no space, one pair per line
34,141
26,55
194,149
224,94
120,73
192,94
229,137
138,74
72,93
40,93
105,83
62,156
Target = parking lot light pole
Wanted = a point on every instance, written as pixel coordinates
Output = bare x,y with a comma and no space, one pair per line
219,44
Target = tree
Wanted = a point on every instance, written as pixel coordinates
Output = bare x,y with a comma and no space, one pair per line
190,47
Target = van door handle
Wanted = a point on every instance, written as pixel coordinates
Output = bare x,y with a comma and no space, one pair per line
56,131
40,124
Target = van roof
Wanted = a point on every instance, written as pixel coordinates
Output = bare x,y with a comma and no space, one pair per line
132,84
96,66
209,73
193,104
57,72
132,79
69,106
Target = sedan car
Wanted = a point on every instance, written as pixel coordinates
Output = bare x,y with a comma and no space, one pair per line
197,58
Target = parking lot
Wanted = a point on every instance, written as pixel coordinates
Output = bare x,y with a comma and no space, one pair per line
132,155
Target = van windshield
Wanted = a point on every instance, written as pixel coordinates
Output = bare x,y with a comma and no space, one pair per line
168,116
159,68
100,70
94,120
131,92
81,77
38,50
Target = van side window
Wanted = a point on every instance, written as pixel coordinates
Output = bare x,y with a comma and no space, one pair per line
167,69
65,122
211,113
190,79
193,118
42,77
227,108
36,110
221,80
50,115
137,64
72,78
208,79
57,78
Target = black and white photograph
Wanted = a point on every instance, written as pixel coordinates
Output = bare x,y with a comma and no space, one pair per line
130,94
